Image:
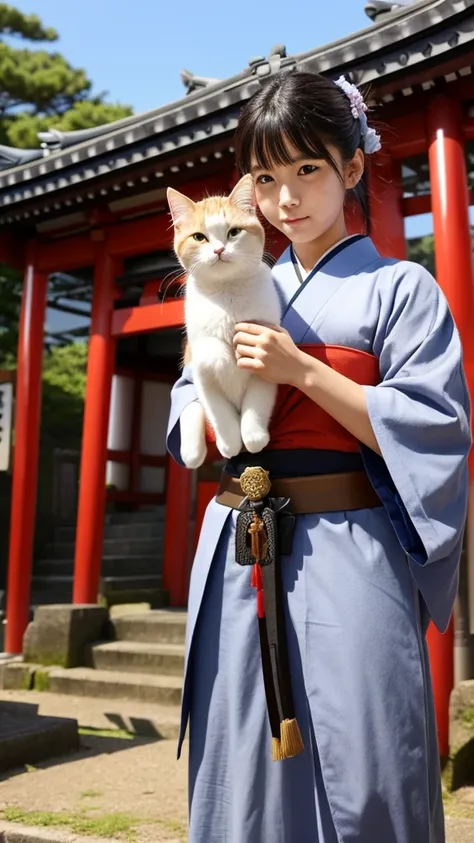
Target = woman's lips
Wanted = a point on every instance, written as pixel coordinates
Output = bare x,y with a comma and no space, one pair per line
294,220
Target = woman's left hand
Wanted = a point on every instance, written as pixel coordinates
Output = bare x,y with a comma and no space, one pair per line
269,352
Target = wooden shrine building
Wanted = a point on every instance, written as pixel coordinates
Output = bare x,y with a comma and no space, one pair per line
94,202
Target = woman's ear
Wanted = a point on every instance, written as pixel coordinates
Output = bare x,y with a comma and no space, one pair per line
354,170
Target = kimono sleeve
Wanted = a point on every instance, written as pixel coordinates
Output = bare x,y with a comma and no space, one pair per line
420,416
182,393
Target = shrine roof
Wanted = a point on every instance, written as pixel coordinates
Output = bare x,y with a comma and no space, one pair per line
391,55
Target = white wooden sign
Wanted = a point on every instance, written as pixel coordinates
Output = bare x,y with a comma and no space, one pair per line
6,413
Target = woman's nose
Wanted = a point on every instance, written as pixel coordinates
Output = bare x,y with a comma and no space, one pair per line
287,198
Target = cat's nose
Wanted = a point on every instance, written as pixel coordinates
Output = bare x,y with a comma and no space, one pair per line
219,250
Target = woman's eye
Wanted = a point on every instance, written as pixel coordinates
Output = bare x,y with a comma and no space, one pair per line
263,179
306,169
199,237
234,232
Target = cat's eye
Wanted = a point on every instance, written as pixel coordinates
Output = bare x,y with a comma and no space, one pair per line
199,237
234,232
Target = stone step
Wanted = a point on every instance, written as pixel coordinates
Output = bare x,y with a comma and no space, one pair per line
88,682
156,598
110,548
47,598
116,531
26,737
141,516
139,718
135,657
112,566
164,626
63,584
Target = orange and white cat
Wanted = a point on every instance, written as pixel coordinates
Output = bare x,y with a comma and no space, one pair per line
219,241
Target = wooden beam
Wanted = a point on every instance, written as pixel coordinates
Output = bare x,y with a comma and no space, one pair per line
414,205
468,126
406,136
66,254
151,317
12,251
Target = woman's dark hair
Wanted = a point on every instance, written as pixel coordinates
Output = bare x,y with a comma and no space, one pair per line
305,109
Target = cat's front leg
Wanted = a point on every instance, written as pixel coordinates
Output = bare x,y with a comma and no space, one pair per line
257,408
193,435
224,419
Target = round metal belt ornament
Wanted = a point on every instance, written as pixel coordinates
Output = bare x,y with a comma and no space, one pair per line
255,483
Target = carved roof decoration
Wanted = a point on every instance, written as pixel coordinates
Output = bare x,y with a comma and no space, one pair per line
393,55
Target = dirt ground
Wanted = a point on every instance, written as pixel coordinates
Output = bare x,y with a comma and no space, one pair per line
138,785
133,790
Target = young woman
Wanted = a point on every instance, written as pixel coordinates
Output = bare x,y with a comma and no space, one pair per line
372,397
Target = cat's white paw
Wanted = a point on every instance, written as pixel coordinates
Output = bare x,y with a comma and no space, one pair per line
230,444
256,439
193,455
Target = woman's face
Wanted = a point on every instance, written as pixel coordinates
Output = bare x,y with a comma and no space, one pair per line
305,199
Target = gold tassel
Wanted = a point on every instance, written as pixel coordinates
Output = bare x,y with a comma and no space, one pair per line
291,740
276,750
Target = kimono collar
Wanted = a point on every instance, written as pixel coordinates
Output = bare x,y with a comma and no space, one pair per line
345,258
323,259
306,304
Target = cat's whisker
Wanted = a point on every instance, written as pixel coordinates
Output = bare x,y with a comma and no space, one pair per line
168,281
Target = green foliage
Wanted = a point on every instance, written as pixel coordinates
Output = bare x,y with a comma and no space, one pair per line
10,303
64,383
40,90
65,367
421,250
14,22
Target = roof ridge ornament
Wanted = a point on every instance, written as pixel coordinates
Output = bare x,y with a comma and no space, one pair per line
12,156
378,8
53,139
277,62
194,83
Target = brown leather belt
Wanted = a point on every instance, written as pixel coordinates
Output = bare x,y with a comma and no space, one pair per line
316,493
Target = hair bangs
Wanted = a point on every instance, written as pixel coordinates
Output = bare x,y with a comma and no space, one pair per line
272,138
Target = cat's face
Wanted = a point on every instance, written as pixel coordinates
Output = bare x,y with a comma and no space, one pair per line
220,238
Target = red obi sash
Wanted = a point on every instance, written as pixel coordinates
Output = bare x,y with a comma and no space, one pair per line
298,422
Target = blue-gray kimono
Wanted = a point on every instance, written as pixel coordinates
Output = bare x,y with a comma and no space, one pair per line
359,590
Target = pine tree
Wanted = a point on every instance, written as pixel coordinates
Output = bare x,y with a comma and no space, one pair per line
421,250
39,90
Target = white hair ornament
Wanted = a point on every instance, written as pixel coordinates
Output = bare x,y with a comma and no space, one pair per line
370,138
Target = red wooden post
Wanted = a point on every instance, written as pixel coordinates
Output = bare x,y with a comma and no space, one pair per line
449,202
25,461
177,533
90,516
385,206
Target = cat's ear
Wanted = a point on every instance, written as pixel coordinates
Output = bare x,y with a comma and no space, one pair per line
180,206
243,194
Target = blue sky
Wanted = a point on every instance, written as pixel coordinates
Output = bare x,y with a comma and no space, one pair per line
135,49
